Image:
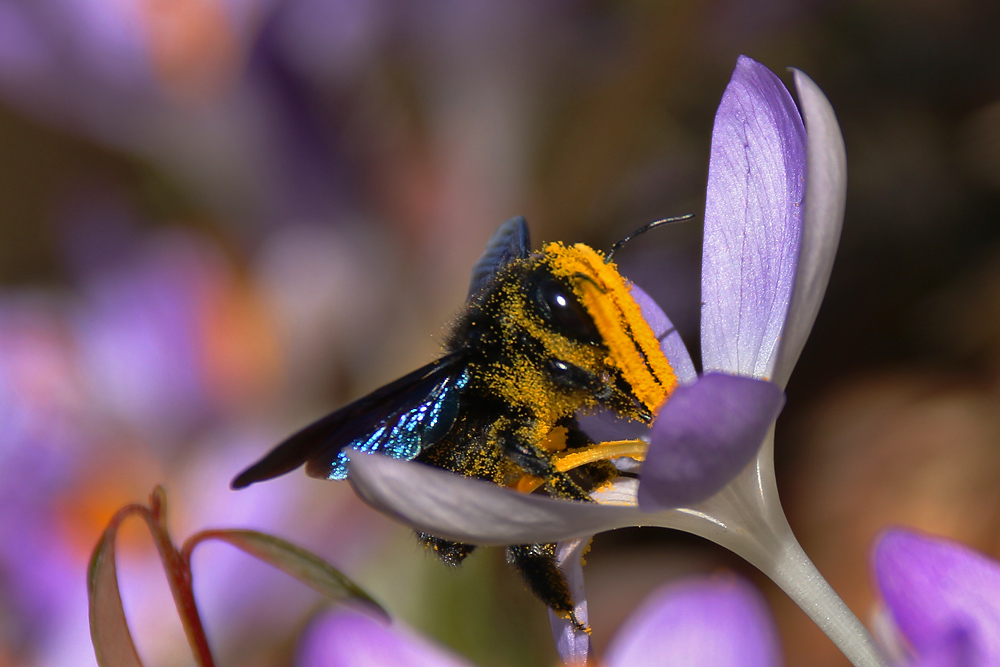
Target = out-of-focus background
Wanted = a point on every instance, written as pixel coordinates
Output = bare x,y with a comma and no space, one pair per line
220,219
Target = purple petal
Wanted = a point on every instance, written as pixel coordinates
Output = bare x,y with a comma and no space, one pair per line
753,221
347,638
937,591
572,643
705,434
718,622
665,332
826,191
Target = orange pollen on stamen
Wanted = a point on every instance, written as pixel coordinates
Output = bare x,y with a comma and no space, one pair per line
635,449
604,451
528,483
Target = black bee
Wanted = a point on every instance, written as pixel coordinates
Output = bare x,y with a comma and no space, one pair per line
542,338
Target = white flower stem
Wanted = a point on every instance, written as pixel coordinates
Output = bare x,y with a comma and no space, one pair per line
746,518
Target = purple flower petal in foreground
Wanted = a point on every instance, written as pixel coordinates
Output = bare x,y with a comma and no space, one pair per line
718,622
705,434
943,597
753,222
347,638
665,332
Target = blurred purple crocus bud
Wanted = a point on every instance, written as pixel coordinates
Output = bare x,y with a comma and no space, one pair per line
942,597
720,621
348,638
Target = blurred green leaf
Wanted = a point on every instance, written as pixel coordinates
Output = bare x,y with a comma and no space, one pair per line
305,566
109,631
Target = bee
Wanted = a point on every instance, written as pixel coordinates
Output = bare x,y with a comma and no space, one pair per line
543,338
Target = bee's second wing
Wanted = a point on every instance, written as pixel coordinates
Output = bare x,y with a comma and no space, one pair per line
398,420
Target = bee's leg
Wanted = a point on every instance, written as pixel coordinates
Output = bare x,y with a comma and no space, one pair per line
450,553
537,565
528,456
535,461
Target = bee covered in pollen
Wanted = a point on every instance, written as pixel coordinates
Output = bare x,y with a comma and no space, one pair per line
543,337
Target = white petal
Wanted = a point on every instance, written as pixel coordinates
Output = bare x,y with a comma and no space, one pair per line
572,643
476,512
826,192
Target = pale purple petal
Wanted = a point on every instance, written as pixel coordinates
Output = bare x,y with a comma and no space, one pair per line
476,512
826,191
937,591
572,643
347,638
753,221
718,622
705,434
670,341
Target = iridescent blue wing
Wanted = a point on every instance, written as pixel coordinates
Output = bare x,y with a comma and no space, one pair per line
509,242
400,420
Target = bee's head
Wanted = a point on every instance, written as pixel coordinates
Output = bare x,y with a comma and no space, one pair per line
584,298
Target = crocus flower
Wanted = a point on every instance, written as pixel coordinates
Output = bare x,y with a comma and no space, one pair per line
772,224
719,621
941,597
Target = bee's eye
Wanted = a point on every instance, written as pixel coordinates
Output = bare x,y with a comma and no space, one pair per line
562,310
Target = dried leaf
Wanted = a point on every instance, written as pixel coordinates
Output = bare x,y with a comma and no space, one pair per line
109,631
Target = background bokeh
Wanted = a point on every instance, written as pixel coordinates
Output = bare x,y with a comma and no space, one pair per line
221,218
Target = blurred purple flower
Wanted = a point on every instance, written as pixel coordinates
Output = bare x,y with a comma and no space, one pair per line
943,598
146,375
96,62
720,621
276,110
191,84
141,332
347,638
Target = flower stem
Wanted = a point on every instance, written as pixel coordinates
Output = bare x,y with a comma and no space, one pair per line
746,517
178,571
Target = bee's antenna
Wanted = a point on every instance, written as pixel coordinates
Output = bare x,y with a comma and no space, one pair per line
643,230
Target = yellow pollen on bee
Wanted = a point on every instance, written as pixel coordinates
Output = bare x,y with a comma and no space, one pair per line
555,441
606,296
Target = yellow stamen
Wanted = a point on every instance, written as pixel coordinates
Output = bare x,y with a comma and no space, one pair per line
528,483
614,449
603,451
